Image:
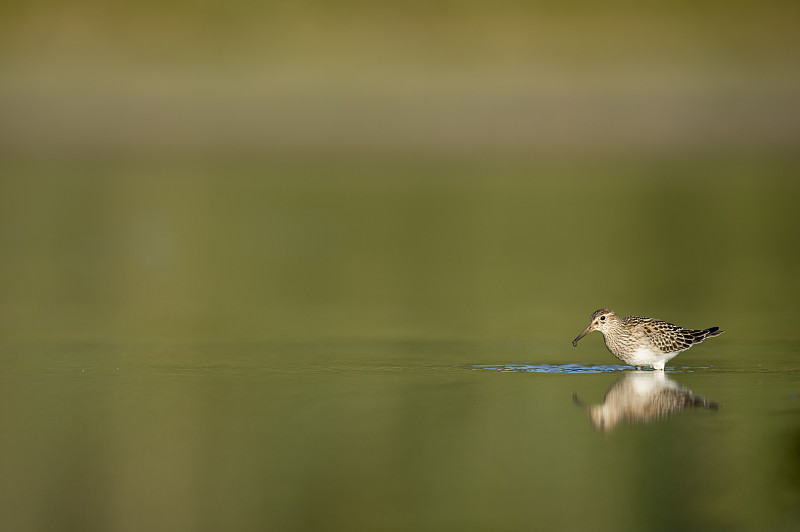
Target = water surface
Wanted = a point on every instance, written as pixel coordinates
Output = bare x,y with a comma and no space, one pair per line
391,435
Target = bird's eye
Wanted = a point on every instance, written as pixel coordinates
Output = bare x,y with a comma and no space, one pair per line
602,318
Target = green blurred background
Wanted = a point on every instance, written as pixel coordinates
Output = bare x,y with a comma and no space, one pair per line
250,252
250,170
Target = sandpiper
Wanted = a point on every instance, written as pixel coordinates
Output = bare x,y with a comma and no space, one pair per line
643,342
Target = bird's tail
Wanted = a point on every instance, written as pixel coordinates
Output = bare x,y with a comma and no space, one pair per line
695,336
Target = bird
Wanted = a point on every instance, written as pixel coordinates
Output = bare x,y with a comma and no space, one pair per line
643,342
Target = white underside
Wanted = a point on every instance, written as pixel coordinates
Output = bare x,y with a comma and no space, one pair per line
648,357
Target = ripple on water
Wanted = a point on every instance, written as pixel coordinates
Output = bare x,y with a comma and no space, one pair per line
577,368
552,368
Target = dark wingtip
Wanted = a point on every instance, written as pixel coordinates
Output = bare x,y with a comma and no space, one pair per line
713,331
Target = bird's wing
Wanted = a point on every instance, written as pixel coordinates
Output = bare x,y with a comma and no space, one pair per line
668,337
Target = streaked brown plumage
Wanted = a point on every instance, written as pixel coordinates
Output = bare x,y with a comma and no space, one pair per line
642,341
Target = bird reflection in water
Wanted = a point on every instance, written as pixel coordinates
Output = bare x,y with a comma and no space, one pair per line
642,397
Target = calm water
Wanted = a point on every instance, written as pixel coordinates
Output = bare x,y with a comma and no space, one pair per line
396,436
386,345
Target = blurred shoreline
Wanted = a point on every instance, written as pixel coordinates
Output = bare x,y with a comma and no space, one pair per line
443,79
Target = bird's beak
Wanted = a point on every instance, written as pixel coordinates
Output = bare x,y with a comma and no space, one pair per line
586,331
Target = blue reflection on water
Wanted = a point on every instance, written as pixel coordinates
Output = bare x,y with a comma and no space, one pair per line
574,368
553,368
